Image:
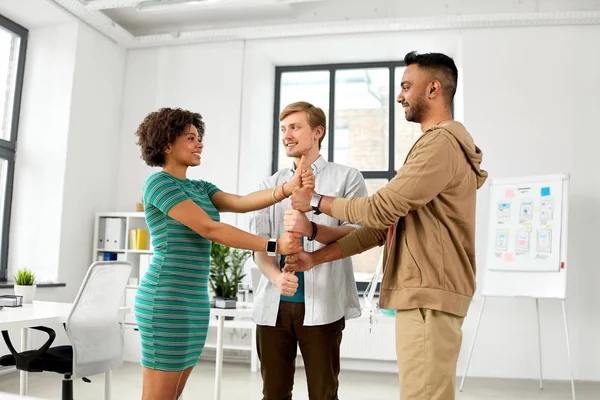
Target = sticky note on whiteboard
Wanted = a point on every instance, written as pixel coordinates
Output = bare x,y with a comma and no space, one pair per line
545,191
509,193
509,257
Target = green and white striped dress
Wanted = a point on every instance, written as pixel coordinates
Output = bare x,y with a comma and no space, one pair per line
172,306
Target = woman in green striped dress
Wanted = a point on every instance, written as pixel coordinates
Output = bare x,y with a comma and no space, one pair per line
172,302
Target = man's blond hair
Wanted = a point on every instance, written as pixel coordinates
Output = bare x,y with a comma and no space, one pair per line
314,115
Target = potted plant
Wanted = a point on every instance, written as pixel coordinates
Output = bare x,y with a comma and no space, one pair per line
226,272
25,285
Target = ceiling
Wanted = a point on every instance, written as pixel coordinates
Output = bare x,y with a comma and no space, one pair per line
47,13
139,23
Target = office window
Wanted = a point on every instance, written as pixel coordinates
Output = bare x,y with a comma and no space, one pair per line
366,128
13,44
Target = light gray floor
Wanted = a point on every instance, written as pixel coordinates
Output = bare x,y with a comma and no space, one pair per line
240,383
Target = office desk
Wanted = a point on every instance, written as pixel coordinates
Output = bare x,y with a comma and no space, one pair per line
221,313
39,313
10,396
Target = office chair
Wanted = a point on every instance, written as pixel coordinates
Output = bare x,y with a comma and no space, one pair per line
93,328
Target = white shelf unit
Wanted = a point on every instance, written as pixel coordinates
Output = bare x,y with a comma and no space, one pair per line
129,220
136,220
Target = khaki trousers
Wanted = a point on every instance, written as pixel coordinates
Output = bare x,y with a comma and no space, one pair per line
427,347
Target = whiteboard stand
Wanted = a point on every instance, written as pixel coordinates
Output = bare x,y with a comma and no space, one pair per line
523,208
537,307
537,311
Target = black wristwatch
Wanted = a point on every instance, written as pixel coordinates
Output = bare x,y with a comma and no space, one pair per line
272,247
315,202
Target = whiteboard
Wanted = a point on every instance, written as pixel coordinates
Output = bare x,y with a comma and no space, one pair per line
527,237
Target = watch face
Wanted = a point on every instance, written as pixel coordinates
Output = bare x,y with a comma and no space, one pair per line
271,246
314,201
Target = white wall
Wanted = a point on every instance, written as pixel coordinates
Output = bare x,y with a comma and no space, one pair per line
532,103
35,227
90,173
528,96
203,78
68,136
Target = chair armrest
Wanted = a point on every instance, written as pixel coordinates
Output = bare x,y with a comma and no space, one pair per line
22,361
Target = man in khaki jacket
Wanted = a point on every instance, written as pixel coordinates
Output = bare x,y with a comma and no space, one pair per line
425,218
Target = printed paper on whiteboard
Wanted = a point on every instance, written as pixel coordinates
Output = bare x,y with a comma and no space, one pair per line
544,241
502,240
504,212
526,212
523,242
546,211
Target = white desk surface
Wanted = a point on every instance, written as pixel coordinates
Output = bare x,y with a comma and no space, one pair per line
38,313
10,396
232,312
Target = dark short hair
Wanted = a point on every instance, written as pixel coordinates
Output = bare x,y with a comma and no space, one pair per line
441,65
161,128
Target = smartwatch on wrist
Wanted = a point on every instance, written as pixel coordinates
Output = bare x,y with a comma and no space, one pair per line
315,201
272,247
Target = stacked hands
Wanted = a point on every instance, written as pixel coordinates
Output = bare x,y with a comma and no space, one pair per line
296,225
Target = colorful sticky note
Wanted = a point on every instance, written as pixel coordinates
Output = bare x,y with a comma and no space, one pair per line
527,227
509,257
545,191
509,193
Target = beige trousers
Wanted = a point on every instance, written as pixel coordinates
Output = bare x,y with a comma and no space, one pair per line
427,347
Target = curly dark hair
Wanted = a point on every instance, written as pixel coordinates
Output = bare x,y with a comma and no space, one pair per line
161,128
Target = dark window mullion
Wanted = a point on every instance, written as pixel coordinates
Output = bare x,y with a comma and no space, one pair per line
8,147
329,67
331,113
392,122
376,174
277,106
7,154
14,126
10,174
5,144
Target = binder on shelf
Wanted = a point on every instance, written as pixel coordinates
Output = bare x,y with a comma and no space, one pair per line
111,256
138,239
114,229
101,233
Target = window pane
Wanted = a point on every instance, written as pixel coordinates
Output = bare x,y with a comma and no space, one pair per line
367,262
362,118
311,86
406,132
9,52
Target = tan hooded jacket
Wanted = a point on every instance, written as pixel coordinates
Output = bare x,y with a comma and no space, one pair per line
425,218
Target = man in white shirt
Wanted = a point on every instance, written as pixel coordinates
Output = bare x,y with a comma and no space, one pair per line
306,309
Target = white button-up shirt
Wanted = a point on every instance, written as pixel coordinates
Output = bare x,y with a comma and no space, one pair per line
329,289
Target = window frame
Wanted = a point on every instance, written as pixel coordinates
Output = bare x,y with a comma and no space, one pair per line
8,147
333,68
